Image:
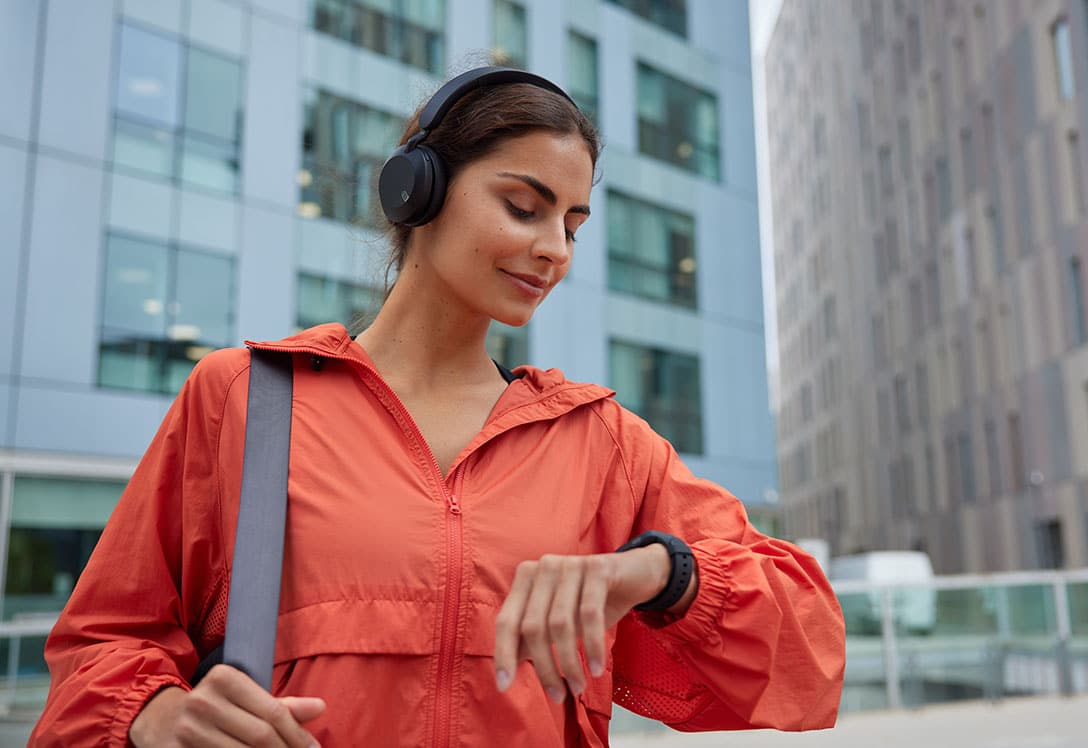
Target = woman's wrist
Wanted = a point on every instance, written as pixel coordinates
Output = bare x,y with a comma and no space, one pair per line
144,728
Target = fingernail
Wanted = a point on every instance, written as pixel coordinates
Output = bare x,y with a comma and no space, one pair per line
596,668
576,688
557,694
502,680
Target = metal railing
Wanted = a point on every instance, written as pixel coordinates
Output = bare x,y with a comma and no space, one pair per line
988,636
969,636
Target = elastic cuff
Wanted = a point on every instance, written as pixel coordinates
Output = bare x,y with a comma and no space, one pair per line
702,621
135,700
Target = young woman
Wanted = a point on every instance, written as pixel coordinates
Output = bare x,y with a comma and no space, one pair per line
450,568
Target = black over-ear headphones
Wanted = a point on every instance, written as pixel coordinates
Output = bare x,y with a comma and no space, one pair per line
412,184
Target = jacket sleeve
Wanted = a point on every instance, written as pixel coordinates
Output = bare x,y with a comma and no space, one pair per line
136,616
763,643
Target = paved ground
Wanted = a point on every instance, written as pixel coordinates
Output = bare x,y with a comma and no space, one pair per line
1020,723
1014,723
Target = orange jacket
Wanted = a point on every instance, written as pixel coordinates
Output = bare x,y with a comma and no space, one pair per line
393,576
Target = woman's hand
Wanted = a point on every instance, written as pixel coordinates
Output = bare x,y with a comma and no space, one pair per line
558,600
227,708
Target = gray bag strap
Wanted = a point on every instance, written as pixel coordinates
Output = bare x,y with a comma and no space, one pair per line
256,573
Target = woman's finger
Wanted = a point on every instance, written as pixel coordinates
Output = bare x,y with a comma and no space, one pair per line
210,717
563,622
508,643
591,613
534,626
244,692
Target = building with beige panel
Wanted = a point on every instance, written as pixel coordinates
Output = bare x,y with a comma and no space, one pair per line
930,240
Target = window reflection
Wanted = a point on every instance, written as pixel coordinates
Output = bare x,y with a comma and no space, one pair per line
344,145
663,387
163,309
651,251
199,142
322,300
677,123
510,45
508,345
412,31
670,15
582,66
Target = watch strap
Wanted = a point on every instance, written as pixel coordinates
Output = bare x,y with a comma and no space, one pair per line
682,568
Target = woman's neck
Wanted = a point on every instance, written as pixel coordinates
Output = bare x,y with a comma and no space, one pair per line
421,339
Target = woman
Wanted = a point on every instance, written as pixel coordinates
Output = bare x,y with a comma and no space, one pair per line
450,574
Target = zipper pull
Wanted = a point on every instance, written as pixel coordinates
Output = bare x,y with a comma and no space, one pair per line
455,508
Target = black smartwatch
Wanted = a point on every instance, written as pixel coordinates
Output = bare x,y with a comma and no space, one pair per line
683,566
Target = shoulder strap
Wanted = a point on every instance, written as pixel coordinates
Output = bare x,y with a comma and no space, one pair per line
253,605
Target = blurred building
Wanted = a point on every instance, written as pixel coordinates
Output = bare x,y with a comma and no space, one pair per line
930,239
181,175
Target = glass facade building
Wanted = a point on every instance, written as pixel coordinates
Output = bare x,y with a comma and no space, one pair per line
181,175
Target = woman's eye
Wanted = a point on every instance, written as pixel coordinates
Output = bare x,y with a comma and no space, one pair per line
570,236
518,212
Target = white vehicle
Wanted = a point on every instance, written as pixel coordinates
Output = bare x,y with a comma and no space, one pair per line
914,605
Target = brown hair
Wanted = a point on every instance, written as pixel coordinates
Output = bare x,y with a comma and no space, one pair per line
478,123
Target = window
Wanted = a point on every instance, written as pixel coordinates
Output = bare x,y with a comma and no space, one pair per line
865,125
993,459
344,145
967,149
1019,477
163,309
1049,545
831,327
904,147
921,378
933,293
651,251
1076,192
670,15
510,35
508,345
917,312
944,189
1076,282
914,43
887,179
322,300
582,74
899,67
902,404
819,135
411,31
678,123
178,111
1063,58
664,388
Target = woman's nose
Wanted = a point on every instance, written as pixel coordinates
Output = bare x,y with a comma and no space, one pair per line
553,246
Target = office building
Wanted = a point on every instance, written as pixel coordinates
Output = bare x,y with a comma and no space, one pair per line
929,229
180,175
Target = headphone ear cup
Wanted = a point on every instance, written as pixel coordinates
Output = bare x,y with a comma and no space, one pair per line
405,185
437,192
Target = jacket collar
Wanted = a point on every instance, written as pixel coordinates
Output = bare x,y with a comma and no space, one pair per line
539,394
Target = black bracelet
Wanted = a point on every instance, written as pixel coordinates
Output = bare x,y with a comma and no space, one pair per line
682,562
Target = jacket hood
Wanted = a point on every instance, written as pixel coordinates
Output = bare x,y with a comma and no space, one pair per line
538,394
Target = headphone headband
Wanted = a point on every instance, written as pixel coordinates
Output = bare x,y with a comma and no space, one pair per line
412,184
455,88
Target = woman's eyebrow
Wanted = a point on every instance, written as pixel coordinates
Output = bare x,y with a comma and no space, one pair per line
545,191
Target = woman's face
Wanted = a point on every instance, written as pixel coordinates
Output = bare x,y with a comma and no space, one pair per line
505,235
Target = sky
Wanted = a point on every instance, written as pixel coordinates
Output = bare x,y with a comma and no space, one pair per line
762,16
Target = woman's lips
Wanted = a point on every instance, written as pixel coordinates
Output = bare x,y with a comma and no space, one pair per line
530,285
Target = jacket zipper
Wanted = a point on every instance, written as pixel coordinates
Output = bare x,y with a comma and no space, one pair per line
447,650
